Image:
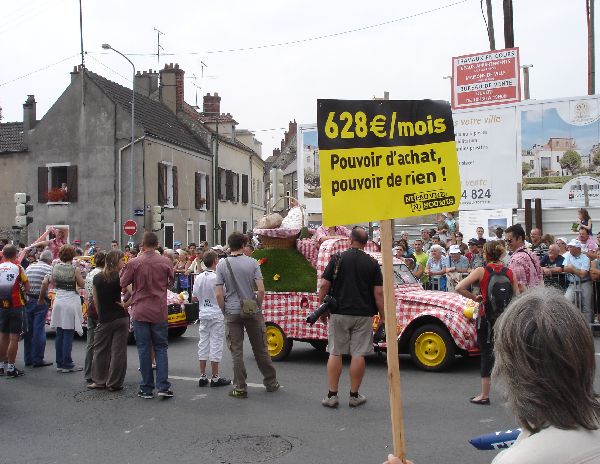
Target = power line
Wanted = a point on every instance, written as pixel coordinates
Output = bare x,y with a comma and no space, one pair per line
17,21
38,70
20,10
310,39
128,79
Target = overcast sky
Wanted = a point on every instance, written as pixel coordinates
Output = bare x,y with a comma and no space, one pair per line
264,88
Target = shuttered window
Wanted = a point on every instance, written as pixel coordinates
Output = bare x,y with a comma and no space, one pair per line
201,191
57,183
245,186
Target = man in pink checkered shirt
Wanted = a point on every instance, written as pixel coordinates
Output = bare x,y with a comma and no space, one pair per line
524,264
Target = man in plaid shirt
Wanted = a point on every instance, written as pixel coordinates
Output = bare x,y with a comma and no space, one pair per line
524,264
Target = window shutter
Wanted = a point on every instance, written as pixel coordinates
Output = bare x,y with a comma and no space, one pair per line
218,181
197,191
162,184
175,188
42,184
207,192
244,188
71,184
228,185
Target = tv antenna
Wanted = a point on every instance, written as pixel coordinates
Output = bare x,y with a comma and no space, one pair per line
158,47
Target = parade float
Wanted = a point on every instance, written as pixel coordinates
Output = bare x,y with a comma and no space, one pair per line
431,326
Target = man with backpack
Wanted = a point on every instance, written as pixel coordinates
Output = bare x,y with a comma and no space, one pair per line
498,285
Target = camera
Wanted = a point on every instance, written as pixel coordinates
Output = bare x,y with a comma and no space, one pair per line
328,304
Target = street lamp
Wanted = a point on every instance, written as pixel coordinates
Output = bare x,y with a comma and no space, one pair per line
526,80
131,180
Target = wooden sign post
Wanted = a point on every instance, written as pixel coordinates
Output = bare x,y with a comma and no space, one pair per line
391,338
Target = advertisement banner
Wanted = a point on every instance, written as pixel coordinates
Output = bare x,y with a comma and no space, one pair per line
560,151
490,220
488,78
309,173
486,141
385,159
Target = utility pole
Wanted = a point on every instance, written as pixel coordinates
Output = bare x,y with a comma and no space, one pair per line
589,6
509,33
490,25
158,47
81,33
526,93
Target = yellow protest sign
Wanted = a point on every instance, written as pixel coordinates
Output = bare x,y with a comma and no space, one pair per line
385,159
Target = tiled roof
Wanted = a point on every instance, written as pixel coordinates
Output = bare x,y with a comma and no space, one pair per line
156,119
11,137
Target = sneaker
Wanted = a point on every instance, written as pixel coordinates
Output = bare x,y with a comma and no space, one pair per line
14,373
72,369
203,382
146,396
235,393
43,364
357,401
273,388
95,386
220,382
331,401
165,393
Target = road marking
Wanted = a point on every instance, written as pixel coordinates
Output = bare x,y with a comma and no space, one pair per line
195,379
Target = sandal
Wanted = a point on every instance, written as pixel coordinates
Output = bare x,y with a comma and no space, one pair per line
95,386
482,401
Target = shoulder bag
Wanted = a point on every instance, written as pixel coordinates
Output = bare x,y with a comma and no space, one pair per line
248,307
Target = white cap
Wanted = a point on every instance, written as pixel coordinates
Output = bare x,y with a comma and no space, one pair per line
454,249
562,239
575,243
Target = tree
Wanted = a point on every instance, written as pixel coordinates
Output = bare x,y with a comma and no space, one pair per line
596,155
526,168
571,161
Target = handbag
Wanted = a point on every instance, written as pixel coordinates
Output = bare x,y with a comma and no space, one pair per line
248,307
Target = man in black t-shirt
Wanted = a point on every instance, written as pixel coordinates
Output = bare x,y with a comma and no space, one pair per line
358,289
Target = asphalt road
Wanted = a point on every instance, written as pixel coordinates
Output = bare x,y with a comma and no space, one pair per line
48,417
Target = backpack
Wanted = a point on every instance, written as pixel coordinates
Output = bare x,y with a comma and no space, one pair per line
499,293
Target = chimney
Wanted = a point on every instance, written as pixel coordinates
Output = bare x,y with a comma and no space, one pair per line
29,118
146,82
171,87
75,72
211,104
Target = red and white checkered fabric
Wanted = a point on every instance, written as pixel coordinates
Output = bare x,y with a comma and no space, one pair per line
309,249
289,311
277,233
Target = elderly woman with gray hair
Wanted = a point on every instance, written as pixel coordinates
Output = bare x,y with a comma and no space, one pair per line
545,363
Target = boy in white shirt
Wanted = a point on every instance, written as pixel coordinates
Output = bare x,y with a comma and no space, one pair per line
211,323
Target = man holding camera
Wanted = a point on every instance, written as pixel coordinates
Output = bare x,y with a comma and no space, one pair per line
355,282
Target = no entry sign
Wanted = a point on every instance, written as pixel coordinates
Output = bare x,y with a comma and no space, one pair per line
130,227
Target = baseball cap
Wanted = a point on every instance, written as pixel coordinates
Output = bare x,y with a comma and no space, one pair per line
177,243
77,242
454,249
575,243
473,241
564,240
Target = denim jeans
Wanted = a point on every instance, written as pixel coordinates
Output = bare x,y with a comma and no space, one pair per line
89,347
63,344
34,340
149,335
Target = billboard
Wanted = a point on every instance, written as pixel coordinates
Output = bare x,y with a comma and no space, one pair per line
309,171
488,78
486,142
560,151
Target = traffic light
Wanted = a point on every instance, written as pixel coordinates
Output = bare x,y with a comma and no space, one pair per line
278,189
22,210
158,218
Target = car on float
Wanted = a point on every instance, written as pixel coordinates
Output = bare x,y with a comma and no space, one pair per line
431,325
177,318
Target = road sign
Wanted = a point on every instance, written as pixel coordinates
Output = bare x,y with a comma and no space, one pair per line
130,227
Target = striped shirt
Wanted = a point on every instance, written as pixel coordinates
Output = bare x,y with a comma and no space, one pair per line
36,273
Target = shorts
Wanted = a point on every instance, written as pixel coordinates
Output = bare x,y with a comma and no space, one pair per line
351,335
11,320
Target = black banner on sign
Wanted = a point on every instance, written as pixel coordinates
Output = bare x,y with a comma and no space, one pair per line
383,123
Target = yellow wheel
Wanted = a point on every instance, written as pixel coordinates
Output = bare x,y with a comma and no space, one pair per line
278,345
432,347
